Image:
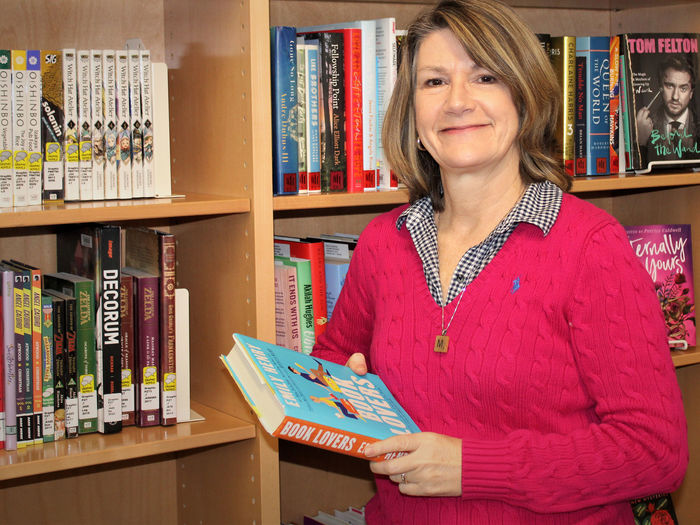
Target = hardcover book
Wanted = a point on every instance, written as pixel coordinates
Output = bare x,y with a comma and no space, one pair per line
667,254
662,70
563,57
315,402
304,300
386,78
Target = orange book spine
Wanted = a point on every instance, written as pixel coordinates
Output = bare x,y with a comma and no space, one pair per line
352,39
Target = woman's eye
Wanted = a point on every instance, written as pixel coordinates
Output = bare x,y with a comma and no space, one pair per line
487,79
434,82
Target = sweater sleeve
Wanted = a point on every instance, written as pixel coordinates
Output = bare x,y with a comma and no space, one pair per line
636,444
350,328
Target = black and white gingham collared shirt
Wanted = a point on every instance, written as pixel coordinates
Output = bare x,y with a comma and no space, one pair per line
539,206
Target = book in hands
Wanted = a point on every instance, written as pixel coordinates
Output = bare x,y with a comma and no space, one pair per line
312,401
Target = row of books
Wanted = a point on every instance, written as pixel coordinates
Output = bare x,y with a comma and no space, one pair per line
628,101
331,86
309,274
350,516
77,125
90,347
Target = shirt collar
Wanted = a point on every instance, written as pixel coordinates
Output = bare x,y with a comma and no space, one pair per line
539,206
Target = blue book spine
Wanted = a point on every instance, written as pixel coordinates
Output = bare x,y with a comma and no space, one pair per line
596,49
285,166
335,278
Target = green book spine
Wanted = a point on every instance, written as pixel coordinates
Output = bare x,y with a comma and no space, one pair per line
47,361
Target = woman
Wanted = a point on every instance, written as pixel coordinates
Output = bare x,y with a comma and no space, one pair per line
510,319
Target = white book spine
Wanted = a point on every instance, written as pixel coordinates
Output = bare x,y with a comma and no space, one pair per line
71,153
19,127
313,145
34,127
161,140
123,126
6,171
84,126
110,124
149,176
136,123
98,144
369,101
386,77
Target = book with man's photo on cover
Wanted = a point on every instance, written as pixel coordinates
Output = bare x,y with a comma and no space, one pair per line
312,401
661,70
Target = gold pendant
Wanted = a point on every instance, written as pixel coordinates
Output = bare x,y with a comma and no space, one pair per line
441,343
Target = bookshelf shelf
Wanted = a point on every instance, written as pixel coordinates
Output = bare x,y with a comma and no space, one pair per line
133,442
691,356
634,182
192,204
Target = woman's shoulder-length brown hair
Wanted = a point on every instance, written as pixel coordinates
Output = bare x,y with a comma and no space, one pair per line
497,39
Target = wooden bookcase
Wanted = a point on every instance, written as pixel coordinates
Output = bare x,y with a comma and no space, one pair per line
225,469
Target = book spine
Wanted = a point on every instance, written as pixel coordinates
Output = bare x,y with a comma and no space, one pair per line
136,123
614,118
302,99
109,416
128,377
352,43
34,127
52,124
386,78
71,153
563,54
312,135
60,367
334,95
285,165
292,311
598,107
281,293
149,176
124,179
305,308
9,360
110,124
86,357
84,126
97,111
148,343
37,353
72,408
23,349
47,375
624,112
20,127
369,104
581,132
7,182
167,365
335,278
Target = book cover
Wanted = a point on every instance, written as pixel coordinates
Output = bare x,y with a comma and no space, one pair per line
83,290
137,185
128,349
97,123
154,251
147,331
285,163
9,356
596,50
666,252
149,175
386,78
34,154
59,364
302,99
312,401
657,509
47,369
7,182
70,374
124,189
563,56
52,124
109,70
304,301
313,251
661,72
20,127
71,153
93,251
84,125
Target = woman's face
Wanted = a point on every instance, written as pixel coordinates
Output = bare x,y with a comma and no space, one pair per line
465,116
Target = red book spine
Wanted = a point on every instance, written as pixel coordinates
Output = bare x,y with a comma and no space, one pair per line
352,40
167,331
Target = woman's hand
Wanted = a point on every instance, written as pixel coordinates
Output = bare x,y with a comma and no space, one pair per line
357,364
432,465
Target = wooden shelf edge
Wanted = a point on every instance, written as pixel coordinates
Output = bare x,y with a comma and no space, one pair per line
686,357
133,442
631,181
339,200
192,204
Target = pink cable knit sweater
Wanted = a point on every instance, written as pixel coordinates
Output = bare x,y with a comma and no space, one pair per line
558,378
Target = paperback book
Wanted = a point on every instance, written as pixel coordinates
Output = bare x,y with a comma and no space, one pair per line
666,252
315,402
